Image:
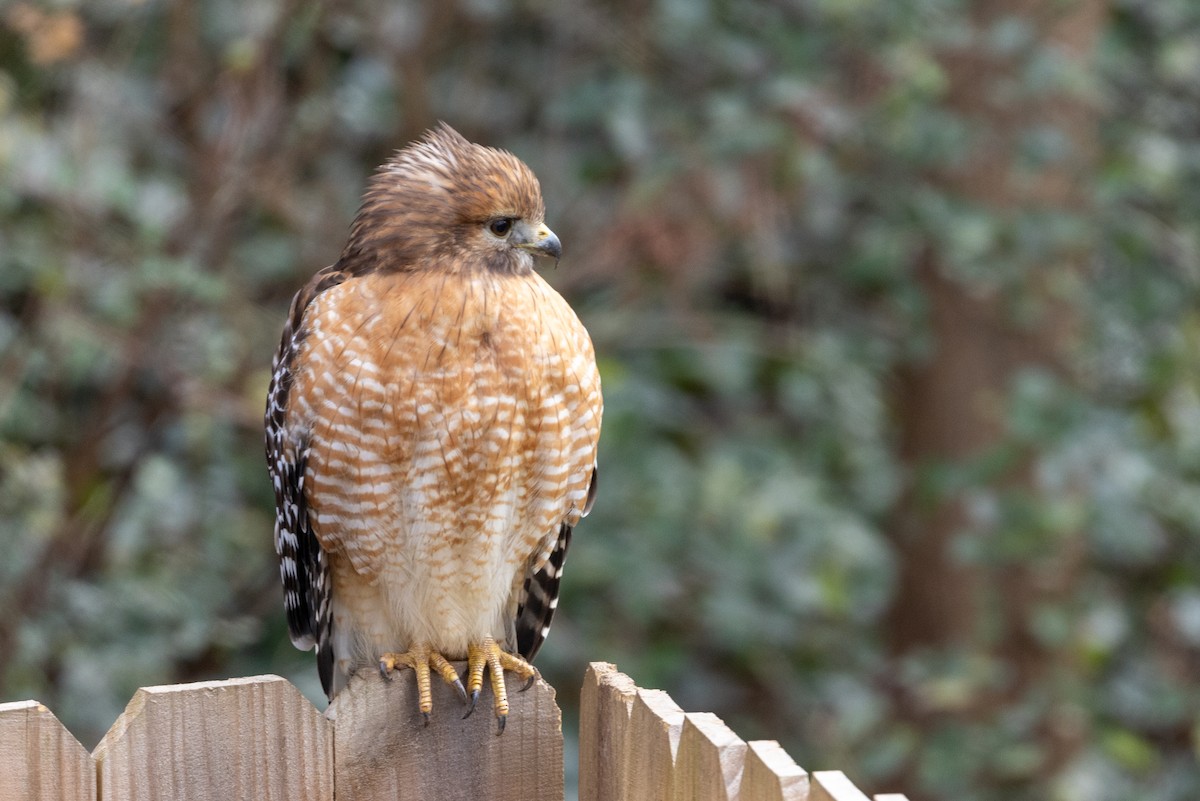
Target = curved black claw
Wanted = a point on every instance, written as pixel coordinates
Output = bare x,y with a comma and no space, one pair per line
502,720
529,683
427,717
470,709
462,692
384,670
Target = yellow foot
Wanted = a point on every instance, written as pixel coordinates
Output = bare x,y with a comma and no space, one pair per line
488,653
421,658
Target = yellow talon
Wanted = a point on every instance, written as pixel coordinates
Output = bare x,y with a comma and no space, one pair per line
489,653
486,654
421,657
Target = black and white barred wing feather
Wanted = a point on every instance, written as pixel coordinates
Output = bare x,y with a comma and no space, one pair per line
539,594
303,568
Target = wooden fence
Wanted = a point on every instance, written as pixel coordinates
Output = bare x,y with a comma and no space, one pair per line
259,738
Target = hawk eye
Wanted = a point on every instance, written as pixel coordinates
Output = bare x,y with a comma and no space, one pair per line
500,227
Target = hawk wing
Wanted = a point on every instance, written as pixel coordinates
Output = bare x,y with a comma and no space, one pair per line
303,568
539,594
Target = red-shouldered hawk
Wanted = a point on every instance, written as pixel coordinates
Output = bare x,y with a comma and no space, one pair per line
432,425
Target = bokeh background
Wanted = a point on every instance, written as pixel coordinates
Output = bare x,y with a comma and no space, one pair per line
896,311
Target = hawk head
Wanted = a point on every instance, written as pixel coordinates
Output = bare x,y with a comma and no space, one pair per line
446,203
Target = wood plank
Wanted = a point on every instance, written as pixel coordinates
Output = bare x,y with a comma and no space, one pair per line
708,765
771,775
891,797
655,725
255,737
382,750
605,705
39,759
833,785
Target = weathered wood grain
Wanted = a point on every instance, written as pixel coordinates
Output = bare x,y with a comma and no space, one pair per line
771,775
833,785
252,738
655,724
382,750
708,765
39,759
258,738
605,706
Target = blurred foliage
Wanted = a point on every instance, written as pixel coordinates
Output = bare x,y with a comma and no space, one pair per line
744,193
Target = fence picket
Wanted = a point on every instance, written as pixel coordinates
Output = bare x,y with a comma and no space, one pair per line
255,737
382,750
655,724
771,775
259,738
605,706
709,762
39,759
833,785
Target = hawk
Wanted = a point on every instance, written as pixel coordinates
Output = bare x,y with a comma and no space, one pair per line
431,429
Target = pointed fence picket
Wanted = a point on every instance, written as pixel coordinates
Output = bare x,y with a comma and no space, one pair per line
39,759
637,744
259,738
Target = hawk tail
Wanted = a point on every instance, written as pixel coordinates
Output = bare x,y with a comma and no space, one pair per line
540,599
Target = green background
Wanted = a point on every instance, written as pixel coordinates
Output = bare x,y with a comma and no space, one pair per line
895,307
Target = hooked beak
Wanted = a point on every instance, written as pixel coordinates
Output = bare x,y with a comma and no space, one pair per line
541,241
